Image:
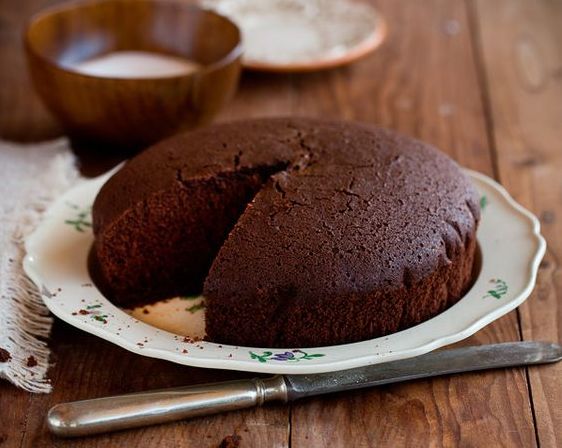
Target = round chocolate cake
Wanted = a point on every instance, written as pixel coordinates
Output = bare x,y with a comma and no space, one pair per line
298,232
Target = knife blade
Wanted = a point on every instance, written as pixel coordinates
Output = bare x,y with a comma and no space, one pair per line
445,362
107,414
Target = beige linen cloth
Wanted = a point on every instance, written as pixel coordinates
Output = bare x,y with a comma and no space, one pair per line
31,176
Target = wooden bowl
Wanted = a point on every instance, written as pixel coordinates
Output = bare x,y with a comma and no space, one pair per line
124,113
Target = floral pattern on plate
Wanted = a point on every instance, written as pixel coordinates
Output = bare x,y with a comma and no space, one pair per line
509,239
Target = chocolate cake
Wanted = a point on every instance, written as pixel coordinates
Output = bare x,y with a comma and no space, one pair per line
298,232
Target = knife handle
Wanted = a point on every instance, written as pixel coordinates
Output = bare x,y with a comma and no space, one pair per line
99,415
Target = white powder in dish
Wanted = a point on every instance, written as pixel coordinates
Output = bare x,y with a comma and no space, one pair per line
297,31
136,64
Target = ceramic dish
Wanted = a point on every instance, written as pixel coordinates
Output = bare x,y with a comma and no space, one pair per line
511,249
302,35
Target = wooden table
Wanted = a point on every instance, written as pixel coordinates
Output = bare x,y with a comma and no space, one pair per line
480,79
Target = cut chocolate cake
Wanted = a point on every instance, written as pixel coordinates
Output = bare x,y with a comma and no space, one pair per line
299,232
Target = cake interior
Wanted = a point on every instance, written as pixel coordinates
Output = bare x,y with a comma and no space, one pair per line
181,230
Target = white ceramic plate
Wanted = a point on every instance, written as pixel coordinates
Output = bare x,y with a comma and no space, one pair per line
302,35
511,249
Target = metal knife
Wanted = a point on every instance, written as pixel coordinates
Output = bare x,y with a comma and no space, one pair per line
81,418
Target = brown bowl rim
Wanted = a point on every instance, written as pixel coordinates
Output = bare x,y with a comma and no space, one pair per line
234,54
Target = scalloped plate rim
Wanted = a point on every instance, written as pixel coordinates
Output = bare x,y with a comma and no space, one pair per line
345,360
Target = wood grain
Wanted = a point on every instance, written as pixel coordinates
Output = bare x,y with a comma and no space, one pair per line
22,115
434,94
86,367
480,80
525,92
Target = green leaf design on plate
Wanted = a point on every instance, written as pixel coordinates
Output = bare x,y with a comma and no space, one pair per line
95,313
194,308
499,289
314,355
100,317
483,202
82,219
261,358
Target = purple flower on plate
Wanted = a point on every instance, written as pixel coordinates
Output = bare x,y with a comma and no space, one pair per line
293,355
283,356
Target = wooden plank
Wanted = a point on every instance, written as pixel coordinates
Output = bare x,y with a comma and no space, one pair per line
84,366
22,116
13,409
424,82
87,367
523,71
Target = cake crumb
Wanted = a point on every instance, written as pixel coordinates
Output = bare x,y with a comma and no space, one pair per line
4,355
232,441
31,361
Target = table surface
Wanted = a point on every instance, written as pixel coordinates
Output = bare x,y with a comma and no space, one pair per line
480,79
